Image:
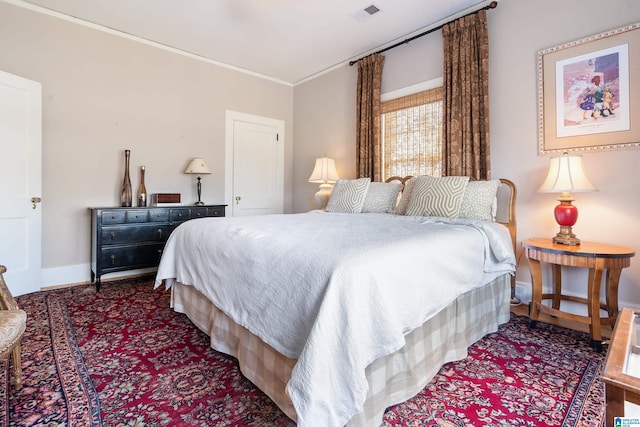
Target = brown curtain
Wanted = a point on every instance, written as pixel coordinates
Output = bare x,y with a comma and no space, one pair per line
369,156
466,98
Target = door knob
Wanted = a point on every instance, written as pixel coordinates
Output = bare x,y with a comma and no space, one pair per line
35,200
238,199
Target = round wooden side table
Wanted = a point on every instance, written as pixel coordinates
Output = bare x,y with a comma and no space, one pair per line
599,258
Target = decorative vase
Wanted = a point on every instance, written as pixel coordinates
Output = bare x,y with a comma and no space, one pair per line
142,190
127,195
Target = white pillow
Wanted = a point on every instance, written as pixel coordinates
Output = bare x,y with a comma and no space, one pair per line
348,195
381,197
403,204
433,196
478,200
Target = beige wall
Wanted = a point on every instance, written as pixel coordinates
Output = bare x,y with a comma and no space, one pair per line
325,119
103,94
517,30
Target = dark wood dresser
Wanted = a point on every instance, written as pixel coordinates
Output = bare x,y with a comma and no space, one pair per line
132,238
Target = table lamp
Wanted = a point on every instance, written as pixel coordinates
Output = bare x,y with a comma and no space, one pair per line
198,167
325,174
565,176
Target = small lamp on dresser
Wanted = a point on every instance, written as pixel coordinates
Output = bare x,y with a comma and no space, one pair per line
565,176
325,174
198,167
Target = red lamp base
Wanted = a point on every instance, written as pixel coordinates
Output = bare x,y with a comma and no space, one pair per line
566,215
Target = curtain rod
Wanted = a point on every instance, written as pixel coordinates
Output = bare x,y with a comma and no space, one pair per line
491,5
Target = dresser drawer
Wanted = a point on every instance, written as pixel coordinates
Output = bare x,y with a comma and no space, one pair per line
117,257
159,215
215,211
179,215
113,217
198,213
136,216
117,235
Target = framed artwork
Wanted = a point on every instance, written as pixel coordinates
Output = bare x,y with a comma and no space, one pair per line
588,99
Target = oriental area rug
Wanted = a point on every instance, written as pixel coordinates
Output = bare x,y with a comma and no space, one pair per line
122,357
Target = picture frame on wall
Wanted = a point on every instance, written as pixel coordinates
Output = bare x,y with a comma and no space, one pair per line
588,100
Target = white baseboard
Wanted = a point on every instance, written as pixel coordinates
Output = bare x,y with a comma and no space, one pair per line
76,274
523,292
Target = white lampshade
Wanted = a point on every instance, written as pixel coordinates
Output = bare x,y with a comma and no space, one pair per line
324,171
197,166
566,175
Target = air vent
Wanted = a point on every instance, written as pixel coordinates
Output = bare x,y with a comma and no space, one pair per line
362,15
371,9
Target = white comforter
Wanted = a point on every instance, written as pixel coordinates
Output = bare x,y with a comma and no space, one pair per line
335,291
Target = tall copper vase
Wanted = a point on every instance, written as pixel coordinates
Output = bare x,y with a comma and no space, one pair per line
127,195
142,190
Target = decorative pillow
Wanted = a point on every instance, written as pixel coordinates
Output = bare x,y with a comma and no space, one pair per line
403,204
348,195
432,196
478,200
381,197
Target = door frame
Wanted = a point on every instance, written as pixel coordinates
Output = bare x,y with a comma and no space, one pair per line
230,118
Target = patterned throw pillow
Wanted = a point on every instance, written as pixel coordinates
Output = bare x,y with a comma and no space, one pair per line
348,195
478,200
403,204
433,196
381,197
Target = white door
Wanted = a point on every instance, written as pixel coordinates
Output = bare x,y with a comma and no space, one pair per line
255,159
20,182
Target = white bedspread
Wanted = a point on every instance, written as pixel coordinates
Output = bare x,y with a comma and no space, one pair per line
335,291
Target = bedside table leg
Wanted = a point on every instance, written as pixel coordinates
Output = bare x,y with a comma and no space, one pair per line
97,284
597,345
536,291
556,270
612,280
531,323
593,306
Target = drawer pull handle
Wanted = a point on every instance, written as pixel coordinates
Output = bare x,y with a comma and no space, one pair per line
113,260
198,214
113,236
160,233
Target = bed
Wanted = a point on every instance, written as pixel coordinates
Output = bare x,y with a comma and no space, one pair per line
338,314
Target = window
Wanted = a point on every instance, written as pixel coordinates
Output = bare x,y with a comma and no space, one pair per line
412,134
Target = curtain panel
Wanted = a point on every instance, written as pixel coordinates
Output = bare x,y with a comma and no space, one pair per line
466,101
369,153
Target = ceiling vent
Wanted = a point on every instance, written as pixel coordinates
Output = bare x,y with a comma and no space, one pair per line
363,14
371,9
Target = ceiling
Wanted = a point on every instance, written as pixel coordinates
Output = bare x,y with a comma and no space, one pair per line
283,40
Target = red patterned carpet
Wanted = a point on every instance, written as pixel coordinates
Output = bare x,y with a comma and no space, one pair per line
122,357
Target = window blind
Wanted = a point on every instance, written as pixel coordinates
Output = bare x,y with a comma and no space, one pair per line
412,134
